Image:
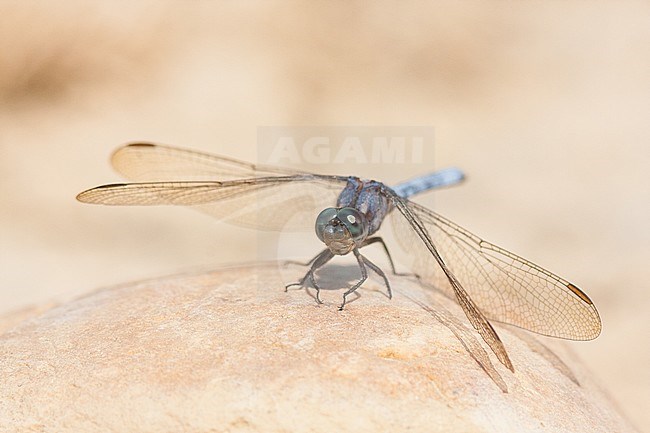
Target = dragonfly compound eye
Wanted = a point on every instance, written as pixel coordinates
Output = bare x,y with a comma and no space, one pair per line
323,219
354,221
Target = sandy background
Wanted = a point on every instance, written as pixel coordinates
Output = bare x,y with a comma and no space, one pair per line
544,105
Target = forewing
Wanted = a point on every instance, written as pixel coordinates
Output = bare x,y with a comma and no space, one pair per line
505,287
264,203
147,162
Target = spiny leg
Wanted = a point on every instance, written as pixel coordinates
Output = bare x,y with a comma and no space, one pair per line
318,261
311,270
379,272
364,277
296,262
376,239
370,241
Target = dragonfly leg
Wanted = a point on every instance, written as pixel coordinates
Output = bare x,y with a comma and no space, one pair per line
376,239
318,261
309,263
379,272
364,277
316,286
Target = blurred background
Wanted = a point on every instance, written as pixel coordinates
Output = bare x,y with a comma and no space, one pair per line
545,106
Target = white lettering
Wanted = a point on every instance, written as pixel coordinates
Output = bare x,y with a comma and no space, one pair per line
417,150
351,148
385,151
356,149
284,151
314,154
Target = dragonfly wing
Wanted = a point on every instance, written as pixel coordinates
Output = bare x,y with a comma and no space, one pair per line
505,287
147,162
267,203
426,248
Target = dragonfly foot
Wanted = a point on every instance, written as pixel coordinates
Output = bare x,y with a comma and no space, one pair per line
300,283
345,299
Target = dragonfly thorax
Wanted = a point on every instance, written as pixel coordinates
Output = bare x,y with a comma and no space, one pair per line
341,229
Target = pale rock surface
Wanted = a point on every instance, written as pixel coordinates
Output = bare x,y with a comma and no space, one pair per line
230,351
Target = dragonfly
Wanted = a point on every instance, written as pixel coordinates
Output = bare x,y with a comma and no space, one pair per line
488,282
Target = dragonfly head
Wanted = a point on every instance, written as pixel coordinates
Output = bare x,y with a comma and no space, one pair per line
341,229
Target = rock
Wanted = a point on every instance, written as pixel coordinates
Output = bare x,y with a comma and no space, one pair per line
230,351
